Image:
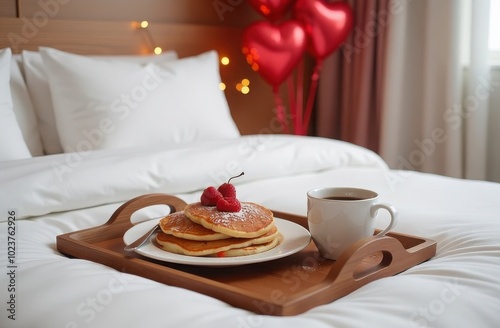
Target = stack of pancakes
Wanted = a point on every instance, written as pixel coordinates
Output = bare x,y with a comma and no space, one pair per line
205,231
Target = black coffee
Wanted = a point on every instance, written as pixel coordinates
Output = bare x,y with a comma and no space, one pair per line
343,198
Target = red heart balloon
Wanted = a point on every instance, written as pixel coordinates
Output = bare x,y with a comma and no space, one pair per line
327,24
274,50
272,9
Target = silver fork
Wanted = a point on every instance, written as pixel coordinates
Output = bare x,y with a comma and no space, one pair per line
139,242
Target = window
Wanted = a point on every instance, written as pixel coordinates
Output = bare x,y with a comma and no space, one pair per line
494,33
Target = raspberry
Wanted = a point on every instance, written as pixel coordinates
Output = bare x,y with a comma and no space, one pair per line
210,196
227,190
228,204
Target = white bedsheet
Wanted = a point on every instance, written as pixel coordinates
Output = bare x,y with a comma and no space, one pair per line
57,194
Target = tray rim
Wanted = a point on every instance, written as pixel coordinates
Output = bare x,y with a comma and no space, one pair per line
72,244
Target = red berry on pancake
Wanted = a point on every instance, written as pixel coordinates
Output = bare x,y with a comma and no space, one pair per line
228,204
227,189
210,196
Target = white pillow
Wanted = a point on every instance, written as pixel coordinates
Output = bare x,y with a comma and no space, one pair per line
23,108
38,86
107,105
12,144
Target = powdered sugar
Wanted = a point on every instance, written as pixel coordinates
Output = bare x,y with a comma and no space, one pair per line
251,214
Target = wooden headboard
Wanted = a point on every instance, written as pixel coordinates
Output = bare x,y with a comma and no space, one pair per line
252,112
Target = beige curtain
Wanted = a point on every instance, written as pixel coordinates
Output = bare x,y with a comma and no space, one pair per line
350,87
437,88
412,83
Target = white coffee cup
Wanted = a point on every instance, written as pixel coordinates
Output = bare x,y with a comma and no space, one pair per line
339,217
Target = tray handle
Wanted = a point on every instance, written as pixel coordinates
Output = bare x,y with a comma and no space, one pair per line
125,211
393,254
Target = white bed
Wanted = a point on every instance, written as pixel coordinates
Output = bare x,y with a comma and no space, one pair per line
52,193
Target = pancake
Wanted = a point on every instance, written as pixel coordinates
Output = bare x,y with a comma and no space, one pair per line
179,225
251,221
201,248
252,249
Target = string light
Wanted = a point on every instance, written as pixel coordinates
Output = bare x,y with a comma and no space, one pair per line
144,27
243,86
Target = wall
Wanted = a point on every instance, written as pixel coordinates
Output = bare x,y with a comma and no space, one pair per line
211,12
493,129
8,8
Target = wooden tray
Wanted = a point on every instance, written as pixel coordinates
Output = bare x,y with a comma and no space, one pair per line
286,286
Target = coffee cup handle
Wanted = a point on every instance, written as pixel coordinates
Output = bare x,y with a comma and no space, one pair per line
392,211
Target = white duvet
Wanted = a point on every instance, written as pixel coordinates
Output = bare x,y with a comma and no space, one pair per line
57,194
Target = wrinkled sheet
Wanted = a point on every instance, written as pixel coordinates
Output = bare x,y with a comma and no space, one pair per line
57,194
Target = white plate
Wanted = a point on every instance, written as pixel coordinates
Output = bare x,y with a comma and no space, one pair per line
295,238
